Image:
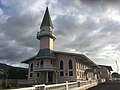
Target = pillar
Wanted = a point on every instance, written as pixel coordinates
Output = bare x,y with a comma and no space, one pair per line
56,79
46,77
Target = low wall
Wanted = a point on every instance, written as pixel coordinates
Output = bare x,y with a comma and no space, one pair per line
12,82
17,82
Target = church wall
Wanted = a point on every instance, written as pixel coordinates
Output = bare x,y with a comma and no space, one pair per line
105,73
38,76
32,76
80,71
80,68
65,59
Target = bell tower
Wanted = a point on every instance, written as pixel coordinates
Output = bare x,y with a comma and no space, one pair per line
46,34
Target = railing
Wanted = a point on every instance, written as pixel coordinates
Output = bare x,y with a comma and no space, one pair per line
49,33
62,86
45,67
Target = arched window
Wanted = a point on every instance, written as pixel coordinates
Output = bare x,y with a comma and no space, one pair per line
31,67
61,65
41,63
70,64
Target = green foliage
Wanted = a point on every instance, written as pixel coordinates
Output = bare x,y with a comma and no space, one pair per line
15,73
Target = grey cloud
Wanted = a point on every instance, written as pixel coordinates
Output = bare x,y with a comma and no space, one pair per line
16,7
100,1
99,5
18,37
21,28
65,24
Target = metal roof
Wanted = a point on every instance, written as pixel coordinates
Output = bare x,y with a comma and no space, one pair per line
46,19
47,53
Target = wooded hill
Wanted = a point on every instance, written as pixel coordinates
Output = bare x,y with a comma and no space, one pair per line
10,72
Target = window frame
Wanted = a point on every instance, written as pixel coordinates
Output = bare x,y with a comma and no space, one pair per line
70,73
61,73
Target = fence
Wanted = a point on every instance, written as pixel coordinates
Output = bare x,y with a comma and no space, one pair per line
62,86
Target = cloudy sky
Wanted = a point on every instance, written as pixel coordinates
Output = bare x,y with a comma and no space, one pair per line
91,27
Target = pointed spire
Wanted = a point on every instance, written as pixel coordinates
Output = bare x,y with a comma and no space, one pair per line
46,19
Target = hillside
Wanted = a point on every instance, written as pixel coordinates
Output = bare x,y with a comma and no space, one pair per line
12,72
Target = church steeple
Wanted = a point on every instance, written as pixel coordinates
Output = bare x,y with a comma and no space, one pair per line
46,19
46,34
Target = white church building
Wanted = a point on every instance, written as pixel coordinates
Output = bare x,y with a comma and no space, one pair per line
50,66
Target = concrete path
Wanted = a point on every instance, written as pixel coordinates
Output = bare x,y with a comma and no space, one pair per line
111,85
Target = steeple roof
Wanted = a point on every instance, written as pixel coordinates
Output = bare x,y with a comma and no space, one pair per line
46,19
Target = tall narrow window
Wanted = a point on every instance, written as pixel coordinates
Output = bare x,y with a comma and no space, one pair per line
31,67
41,63
38,64
51,62
70,64
61,65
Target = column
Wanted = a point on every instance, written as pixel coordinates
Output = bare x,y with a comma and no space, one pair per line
46,77
56,77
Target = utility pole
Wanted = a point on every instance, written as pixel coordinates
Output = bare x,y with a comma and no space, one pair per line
117,66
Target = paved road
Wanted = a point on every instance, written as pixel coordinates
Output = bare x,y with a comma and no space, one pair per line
111,85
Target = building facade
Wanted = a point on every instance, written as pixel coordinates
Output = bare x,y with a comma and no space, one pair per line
50,66
105,72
